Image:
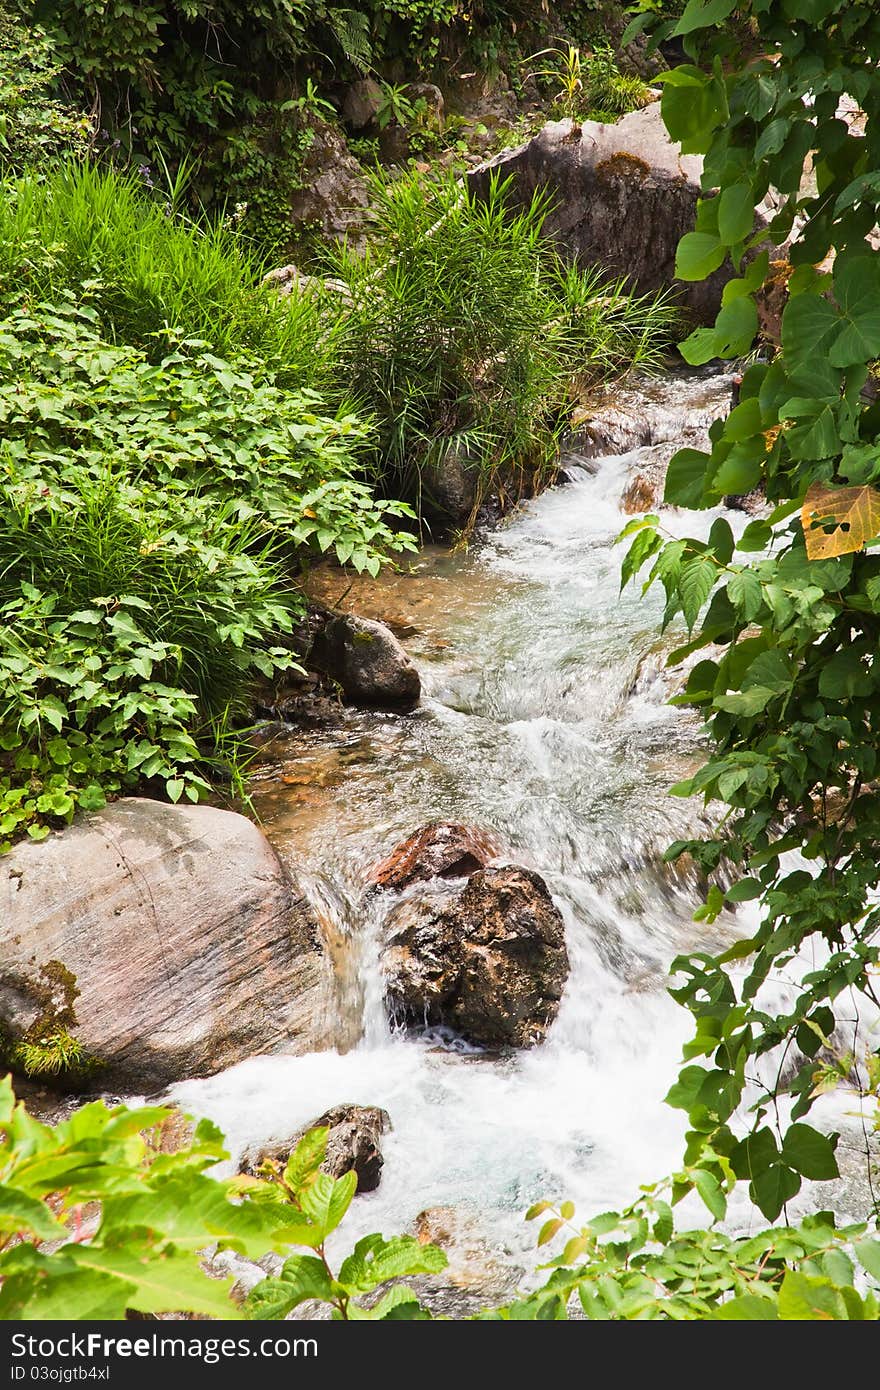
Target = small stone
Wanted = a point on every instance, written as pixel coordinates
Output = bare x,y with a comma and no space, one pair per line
354,1142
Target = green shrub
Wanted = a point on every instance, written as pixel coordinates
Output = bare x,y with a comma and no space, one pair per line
112,1210
145,512
34,124
154,276
466,331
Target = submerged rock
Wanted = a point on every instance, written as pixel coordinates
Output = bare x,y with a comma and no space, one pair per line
480,1273
366,660
489,961
168,940
624,195
354,1142
443,849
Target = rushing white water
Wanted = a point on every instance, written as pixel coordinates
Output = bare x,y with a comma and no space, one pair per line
543,718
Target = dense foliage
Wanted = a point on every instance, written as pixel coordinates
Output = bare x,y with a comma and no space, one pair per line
789,689
466,334
93,232
150,514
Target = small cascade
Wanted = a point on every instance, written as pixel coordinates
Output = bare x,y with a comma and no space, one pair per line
544,719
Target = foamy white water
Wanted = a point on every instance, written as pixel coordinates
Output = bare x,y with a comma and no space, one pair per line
544,719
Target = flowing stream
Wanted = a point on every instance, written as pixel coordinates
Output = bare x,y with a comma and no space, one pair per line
544,718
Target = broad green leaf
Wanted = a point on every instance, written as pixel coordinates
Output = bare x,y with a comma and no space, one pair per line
698,254
700,14
710,1190
686,478
748,1307
809,1152
375,1260
325,1200
306,1158
772,1188
802,1299
736,213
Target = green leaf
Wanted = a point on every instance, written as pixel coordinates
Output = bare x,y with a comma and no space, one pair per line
325,1200
868,1254
736,213
698,254
20,1213
845,676
744,592
810,1153
302,1277
710,1190
744,892
748,1307
306,1158
773,1187
803,1299
694,586
701,14
686,478
375,1260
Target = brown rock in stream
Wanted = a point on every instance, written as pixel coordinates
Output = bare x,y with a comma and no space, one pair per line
169,940
354,1142
490,961
443,849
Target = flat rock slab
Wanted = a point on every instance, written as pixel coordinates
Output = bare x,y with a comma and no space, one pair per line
190,946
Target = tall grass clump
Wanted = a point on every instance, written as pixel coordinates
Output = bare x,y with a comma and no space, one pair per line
153,274
466,333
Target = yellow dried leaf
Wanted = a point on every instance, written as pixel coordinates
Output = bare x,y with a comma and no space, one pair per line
855,512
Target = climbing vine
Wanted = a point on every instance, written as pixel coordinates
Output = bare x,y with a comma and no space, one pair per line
787,613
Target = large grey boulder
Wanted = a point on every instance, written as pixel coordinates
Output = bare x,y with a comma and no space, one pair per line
172,933
366,661
623,196
489,961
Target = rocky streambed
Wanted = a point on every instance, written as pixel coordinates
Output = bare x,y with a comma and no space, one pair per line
449,939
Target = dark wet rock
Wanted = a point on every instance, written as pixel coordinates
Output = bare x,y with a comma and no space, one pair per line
354,1142
366,660
169,940
624,196
444,849
362,104
489,961
449,486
